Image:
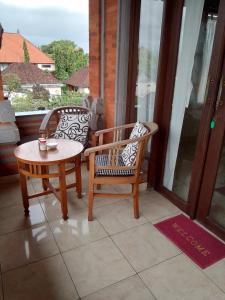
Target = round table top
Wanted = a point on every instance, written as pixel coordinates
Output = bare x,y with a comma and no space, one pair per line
30,153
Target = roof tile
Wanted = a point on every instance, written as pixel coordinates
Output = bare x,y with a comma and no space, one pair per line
12,50
30,74
79,78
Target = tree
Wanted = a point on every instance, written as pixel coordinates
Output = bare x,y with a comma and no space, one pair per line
39,92
67,56
26,56
12,82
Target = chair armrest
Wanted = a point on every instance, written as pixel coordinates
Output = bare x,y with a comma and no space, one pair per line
110,146
44,124
99,132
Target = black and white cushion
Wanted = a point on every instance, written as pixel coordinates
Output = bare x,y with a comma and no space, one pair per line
102,160
130,151
74,127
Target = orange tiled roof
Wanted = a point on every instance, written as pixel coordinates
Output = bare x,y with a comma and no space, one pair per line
12,50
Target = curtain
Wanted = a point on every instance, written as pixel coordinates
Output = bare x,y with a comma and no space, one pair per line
183,84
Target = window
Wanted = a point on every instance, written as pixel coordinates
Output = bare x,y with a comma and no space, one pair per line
63,51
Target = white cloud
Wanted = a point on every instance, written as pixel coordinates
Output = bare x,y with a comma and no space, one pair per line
80,6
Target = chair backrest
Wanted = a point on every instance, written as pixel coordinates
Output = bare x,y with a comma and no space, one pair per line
118,137
51,124
74,110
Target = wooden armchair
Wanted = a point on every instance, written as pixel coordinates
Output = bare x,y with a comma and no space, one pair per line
51,120
107,167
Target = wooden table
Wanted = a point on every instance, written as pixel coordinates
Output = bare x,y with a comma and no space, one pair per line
35,163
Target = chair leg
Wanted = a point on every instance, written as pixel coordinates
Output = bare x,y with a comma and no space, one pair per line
90,203
99,186
90,199
135,199
87,163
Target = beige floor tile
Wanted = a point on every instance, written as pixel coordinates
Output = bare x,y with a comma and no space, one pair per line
131,288
154,207
178,279
127,188
12,217
47,279
144,246
118,217
96,266
217,274
52,208
11,193
37,184
76,231
99,202
25,246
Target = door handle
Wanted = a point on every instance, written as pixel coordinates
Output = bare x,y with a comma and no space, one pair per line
220,100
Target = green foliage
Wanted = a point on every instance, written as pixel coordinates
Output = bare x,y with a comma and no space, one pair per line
28,103
144,63
26,56
12,82
81,59
67,98
67,56
147,64
39,92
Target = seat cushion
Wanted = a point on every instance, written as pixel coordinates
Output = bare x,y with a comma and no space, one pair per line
130,151
74,127
102,160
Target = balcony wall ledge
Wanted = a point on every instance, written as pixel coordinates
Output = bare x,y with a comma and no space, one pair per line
28,124
31,113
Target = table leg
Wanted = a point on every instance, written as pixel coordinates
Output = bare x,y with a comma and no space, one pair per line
78,176
63,193
23,185
44,170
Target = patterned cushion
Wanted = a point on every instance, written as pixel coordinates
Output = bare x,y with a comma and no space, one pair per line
102,160
73,127
130,151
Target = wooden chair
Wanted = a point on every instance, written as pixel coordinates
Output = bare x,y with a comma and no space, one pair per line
107,167
51,119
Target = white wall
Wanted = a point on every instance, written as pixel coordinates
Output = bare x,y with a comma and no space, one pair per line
50,68
84,90
54,90
3,66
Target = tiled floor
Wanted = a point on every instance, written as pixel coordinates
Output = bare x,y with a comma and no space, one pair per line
113,257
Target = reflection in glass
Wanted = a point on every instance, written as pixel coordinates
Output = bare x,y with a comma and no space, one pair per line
149,42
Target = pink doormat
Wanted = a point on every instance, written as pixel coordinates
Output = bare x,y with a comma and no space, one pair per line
202,247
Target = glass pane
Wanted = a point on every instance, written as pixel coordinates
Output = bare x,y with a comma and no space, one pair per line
149,41
217,211
195,49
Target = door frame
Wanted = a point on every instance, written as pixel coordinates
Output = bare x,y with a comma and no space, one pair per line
216,142
168,56
135,11
163,118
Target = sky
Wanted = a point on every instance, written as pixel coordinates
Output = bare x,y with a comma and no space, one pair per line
43,21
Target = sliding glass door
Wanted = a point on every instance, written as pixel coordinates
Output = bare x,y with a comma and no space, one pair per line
197,34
